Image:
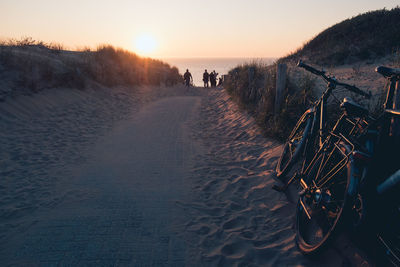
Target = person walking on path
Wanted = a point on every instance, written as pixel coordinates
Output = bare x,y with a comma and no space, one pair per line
206,77
220,81
212,79
187,77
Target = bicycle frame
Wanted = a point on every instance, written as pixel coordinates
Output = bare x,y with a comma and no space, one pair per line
356,166
342,145
321,109
319,120
320,106
382,127
318,128
378,177
319,113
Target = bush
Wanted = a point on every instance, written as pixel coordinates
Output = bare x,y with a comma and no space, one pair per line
28,66
253,87
113,66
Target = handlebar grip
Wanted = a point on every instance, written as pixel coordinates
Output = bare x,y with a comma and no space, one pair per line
310,69
356,90
352,88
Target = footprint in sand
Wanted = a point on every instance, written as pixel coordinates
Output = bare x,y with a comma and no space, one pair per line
247,234
235,223
203,230
236,249
209,185
235,207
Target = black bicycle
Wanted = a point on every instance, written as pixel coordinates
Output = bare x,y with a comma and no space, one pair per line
376,202
347,173
311,130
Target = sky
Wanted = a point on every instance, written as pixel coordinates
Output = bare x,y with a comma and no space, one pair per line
178,28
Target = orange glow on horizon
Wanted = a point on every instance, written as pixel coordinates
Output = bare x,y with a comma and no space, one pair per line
177,28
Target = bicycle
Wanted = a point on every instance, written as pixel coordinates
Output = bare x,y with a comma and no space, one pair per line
311,127
376,197
339,180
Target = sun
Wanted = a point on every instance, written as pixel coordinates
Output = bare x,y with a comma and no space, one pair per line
145,44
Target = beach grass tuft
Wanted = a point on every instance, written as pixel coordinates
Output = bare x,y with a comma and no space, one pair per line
27,66
253,87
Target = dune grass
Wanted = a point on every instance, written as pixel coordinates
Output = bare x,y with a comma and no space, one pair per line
367,36
253,86
28,66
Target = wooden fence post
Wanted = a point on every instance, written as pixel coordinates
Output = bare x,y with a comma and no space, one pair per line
280,86
225,78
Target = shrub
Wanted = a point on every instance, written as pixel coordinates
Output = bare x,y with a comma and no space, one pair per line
257,95
34,65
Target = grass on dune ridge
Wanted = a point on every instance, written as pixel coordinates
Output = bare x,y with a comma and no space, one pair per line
367,37
28,66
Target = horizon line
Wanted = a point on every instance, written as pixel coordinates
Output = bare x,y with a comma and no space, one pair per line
211,57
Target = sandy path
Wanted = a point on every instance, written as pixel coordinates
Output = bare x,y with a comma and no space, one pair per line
126,202
186,180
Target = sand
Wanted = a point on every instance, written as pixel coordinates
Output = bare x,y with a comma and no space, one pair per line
143,177
237,219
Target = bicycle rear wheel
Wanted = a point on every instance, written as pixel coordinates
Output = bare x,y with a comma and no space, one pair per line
294,145
321,206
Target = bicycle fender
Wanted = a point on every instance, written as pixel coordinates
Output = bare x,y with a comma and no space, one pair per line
307,113
355,177
310,110
357,163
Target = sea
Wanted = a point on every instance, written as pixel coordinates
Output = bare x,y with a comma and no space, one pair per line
222,66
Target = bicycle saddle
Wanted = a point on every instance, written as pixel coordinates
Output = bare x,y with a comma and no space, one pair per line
352,108
388,72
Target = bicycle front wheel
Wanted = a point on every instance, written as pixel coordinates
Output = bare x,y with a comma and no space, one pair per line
294,145
322,204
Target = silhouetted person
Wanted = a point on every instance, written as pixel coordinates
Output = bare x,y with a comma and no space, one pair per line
213,78
220,81
187,77
206,77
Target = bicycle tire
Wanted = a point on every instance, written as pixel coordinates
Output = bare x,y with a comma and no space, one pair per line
312,243
300,133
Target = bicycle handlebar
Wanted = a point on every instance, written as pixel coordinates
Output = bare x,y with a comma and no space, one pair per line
311,69
330,80
355,89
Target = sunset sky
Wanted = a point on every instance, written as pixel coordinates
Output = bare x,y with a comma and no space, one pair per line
177,28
